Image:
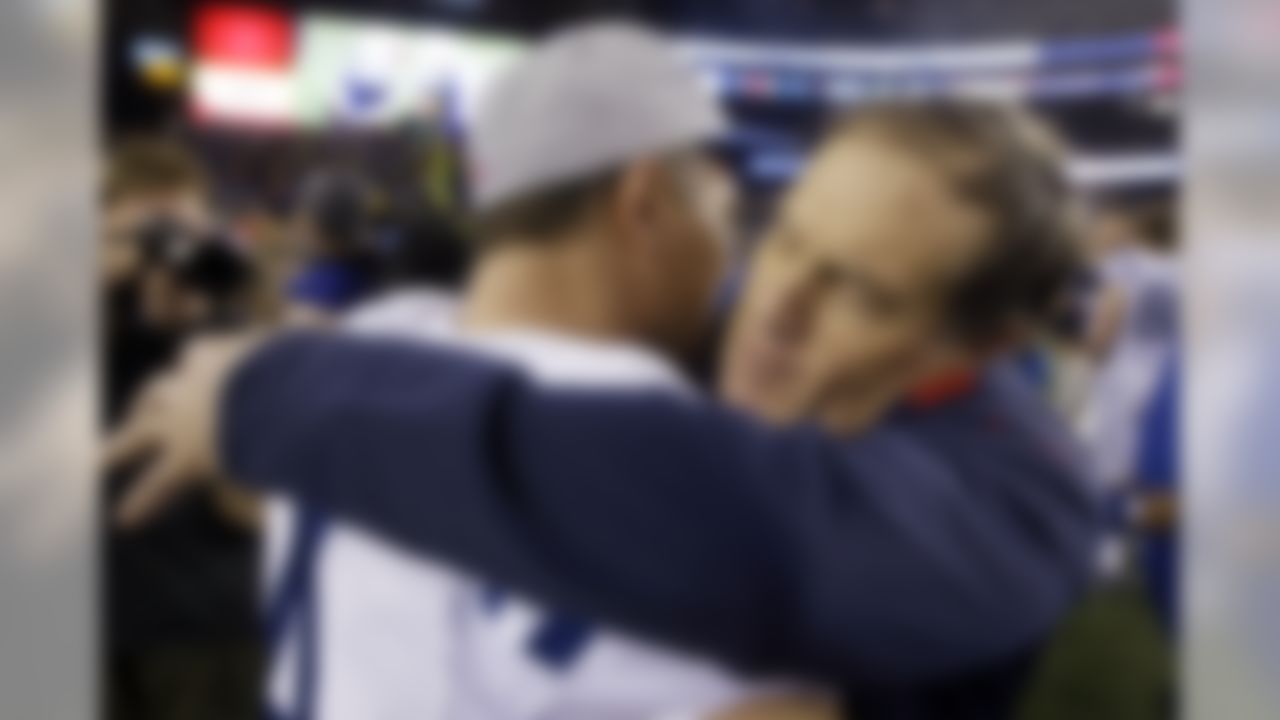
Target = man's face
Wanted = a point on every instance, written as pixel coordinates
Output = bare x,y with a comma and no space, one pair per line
844,307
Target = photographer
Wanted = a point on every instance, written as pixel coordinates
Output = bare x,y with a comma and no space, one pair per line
179,617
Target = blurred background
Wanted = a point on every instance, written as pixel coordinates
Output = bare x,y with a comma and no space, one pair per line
264,91
277,162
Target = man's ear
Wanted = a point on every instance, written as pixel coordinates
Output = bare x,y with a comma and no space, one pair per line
636,205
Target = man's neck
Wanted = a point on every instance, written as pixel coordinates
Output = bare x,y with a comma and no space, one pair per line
559,285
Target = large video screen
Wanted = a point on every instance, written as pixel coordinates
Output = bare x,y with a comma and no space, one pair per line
363,73
263,67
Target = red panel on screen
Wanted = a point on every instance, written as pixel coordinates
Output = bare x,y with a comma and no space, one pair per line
243,36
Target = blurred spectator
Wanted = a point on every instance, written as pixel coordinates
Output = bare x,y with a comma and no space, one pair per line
148,182
333,227
425,260
1156,500
1132,330
180,612
425,247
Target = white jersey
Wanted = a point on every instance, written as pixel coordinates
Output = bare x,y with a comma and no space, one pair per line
379,633
1125,380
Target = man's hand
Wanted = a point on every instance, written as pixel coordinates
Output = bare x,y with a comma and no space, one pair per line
175,424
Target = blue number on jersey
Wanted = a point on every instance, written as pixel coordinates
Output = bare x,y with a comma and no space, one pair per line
557,641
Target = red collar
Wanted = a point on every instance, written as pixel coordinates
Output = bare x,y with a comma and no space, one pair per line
942,388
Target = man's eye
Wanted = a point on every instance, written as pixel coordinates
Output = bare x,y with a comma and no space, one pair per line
865,297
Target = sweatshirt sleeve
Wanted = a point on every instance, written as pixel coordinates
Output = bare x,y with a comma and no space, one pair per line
857,562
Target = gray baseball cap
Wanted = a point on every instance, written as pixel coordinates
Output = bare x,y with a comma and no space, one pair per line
587,99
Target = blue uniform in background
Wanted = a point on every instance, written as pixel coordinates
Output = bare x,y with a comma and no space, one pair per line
332,285
1159,470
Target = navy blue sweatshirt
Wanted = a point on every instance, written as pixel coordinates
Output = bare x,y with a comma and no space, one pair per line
948,538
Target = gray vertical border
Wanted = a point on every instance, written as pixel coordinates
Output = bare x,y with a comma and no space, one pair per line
47,389
1231,427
